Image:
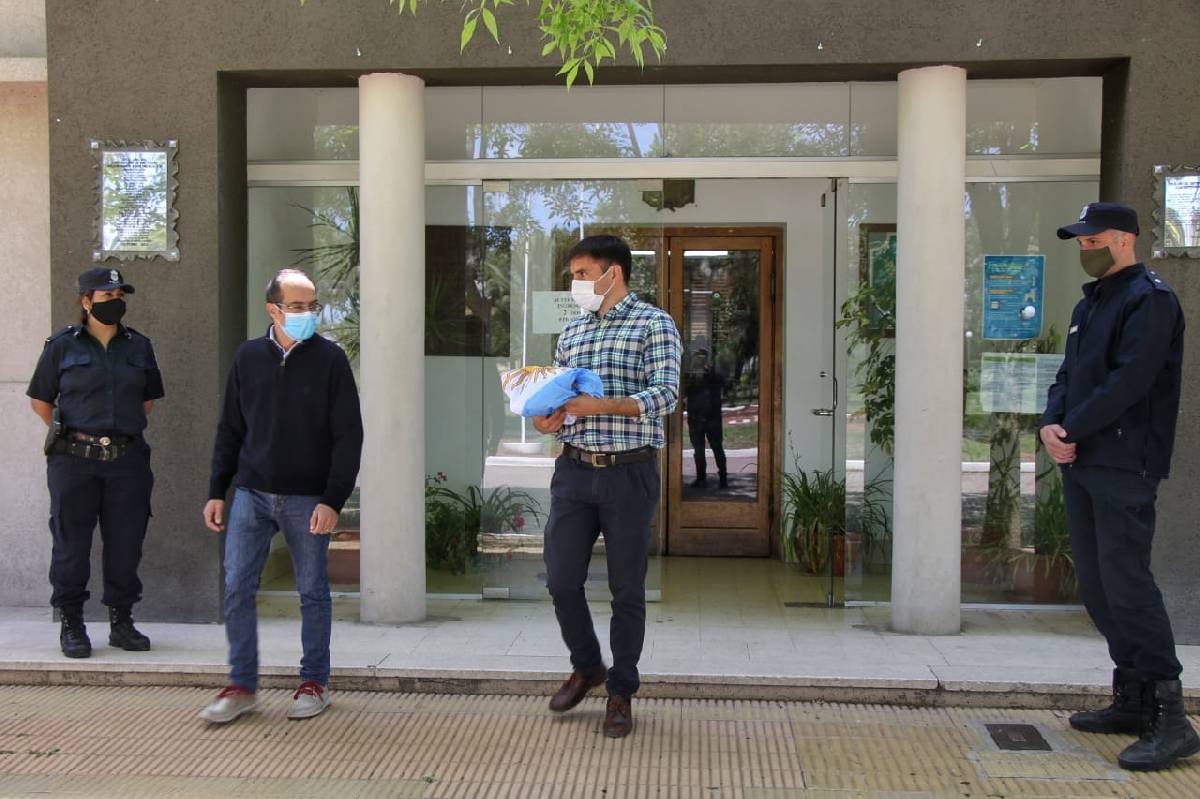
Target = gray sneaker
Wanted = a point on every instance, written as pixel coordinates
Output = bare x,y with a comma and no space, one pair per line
232,702
310,699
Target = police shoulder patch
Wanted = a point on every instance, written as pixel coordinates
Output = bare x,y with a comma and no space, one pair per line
60,334
1157,282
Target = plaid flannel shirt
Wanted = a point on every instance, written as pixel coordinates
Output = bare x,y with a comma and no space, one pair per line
635,348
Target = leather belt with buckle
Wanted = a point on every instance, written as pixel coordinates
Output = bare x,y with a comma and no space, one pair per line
97,448
602,460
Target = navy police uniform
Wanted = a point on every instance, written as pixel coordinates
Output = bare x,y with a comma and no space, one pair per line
1117,397
100,470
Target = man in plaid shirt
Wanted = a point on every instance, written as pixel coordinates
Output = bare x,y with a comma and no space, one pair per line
606,479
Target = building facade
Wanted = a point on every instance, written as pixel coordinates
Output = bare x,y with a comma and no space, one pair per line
767,171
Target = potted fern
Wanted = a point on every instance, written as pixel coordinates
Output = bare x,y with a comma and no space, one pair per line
814,519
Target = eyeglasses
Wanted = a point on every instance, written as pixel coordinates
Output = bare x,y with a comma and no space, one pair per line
298,307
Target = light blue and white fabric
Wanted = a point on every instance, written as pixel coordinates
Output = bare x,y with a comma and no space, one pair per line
542,390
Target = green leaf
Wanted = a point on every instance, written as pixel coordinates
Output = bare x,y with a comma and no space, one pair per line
549,48
567,66
489,19
467,32
571,75
591,74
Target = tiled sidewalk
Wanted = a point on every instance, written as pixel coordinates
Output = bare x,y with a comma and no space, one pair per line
147,742
1031,658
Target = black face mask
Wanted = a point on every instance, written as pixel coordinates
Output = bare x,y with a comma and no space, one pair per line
108,312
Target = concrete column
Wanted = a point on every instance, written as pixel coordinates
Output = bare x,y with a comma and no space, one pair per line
392,279
25,231
926,559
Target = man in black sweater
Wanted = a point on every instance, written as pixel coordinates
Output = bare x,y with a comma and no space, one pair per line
289,443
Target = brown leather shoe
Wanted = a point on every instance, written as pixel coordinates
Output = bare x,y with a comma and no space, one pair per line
576,688
618,718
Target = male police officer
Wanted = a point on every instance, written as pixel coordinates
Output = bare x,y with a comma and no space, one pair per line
1110,423
104,379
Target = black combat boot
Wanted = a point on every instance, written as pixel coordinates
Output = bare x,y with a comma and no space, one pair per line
73,637
122,634
1124,715
1167,735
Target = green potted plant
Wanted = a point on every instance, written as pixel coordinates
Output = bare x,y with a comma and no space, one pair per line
814,518
1044,572
454,520
875,525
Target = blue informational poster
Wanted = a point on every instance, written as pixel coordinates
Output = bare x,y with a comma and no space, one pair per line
1012,296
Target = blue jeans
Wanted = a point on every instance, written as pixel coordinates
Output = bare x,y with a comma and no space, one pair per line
254,516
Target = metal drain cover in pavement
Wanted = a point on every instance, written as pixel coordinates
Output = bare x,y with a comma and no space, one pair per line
1018,738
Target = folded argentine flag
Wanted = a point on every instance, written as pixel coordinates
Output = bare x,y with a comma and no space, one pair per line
542,390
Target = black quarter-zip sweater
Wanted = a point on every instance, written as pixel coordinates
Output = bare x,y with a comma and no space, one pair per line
1117,392
289,425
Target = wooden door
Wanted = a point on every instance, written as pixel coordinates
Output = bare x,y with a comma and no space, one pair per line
720,459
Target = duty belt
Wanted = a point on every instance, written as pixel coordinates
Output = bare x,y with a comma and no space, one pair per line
602,460
97,448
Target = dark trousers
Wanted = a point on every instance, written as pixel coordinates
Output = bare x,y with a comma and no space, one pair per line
1110,513
117,495
620,502
699,430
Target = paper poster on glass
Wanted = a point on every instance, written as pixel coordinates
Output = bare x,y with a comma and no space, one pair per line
135,190
553,311
1012,296
1016,382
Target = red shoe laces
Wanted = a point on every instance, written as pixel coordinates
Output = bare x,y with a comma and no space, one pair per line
232,690
309,688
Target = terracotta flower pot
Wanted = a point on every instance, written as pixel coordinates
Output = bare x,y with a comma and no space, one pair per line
1043,579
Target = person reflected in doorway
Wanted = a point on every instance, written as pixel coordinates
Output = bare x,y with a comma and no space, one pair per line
704,387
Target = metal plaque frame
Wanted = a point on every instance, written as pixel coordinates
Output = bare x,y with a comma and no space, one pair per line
166,193
1162,174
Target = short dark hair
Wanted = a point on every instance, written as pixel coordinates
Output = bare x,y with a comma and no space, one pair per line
607,249
275,287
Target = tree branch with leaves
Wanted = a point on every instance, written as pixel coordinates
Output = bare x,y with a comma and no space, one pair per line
583,33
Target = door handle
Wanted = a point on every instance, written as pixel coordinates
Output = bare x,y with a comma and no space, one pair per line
828,411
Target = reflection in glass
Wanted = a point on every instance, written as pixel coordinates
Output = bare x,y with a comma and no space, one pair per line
585,122
1014,537
720,380
134,196
792,119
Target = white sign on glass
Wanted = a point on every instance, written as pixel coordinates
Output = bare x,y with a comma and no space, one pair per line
552,311
1016,382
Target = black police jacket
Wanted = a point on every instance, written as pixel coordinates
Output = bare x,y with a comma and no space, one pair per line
1117,391
99,389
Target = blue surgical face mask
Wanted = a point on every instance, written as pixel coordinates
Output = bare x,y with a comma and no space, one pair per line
300,326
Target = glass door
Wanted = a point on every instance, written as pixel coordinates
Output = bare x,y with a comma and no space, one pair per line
722,444
535,224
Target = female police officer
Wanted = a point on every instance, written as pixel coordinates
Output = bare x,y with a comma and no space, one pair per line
104,379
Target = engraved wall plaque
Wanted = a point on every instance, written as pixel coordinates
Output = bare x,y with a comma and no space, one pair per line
136,183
